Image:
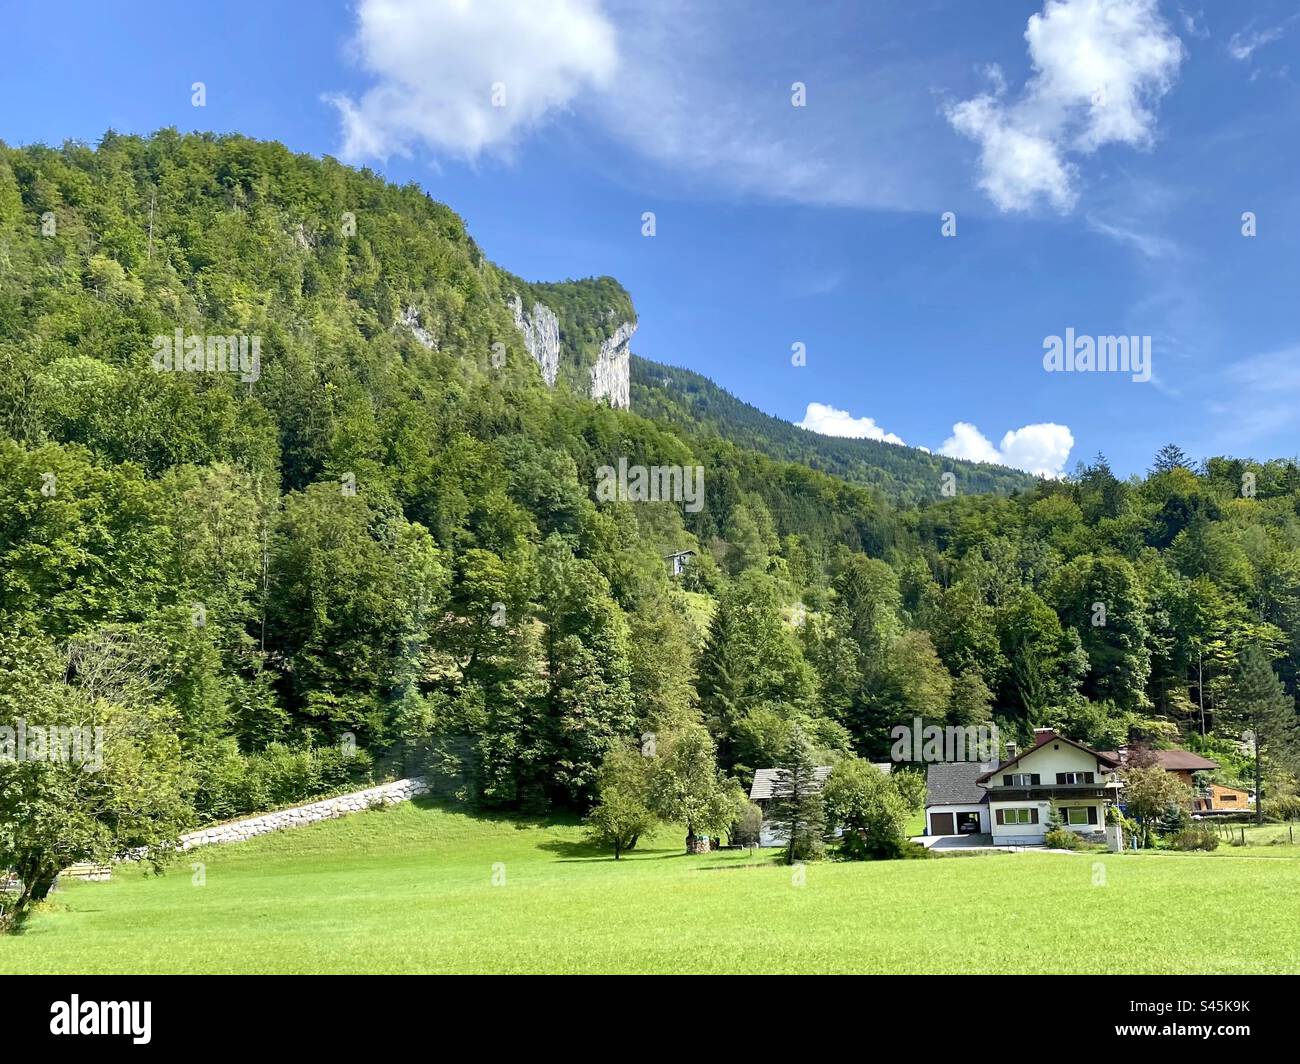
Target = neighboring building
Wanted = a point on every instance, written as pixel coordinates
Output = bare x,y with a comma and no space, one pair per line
1055,773
1182,763
955,803
760,793
1220,799
678,561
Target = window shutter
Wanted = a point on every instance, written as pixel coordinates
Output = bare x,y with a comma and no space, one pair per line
1000,817
1006,782
1035,779
1060,777
1089,777
1092,814
1033,816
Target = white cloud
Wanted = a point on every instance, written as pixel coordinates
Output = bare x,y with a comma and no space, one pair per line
435,62
688,87
1194,24
705,92
831,422
1041,449
1017,165
1149,245
1257,397
1099,68
1243,44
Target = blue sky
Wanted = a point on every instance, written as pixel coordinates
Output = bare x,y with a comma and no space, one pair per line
1098,156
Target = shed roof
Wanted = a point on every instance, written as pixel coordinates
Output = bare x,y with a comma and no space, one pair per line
765,779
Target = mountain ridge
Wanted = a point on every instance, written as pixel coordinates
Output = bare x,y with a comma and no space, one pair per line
698,405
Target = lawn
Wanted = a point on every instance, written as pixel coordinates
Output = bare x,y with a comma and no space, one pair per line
1270,835
411,889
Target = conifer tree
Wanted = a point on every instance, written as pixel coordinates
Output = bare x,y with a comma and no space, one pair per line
1261,704
797,809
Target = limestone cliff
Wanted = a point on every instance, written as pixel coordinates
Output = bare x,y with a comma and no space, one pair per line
611,376
541,332
577,332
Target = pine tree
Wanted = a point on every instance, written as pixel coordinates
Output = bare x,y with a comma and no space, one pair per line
797,809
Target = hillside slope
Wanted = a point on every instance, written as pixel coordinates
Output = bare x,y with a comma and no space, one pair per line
906,475
386,534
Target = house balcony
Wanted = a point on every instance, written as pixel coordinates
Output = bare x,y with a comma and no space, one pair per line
1051,791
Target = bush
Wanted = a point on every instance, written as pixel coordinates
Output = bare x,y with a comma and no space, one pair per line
1175,821
1196,837
1286,807
231,784
1059,838
748,827
904,850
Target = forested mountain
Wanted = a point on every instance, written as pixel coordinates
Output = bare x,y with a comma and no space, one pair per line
383,547
905,475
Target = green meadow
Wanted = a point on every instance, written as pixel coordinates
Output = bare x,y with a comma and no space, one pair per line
421,888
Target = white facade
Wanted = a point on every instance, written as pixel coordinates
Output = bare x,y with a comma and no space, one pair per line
1053,763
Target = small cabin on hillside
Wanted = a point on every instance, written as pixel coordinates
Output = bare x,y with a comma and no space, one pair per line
766,780
679,561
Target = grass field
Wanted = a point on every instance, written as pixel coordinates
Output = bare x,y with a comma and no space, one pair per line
410,889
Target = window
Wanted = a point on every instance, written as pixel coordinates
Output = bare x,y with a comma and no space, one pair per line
1017,816
1079,814
1227,797
1075,777
1020,779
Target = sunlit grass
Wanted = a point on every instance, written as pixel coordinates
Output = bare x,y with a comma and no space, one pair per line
411,889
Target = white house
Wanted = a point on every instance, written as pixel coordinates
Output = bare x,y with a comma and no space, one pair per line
1013,801
1055,771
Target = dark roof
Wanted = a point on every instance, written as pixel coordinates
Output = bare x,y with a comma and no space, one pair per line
955,783
765,778
1177,760
1047,736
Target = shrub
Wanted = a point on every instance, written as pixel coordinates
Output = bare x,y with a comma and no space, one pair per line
1175,821
905,850
1195,837
748,827
230,784
1285,807
1059,838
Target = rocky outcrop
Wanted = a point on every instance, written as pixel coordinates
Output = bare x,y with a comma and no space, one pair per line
611,376
541,332
608,378
411,319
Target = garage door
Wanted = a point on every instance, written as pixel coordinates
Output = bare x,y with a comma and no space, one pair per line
941,824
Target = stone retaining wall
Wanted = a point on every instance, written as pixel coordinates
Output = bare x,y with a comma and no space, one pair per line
326,809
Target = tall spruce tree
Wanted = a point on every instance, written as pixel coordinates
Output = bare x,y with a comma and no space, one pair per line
1261,704
797,809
